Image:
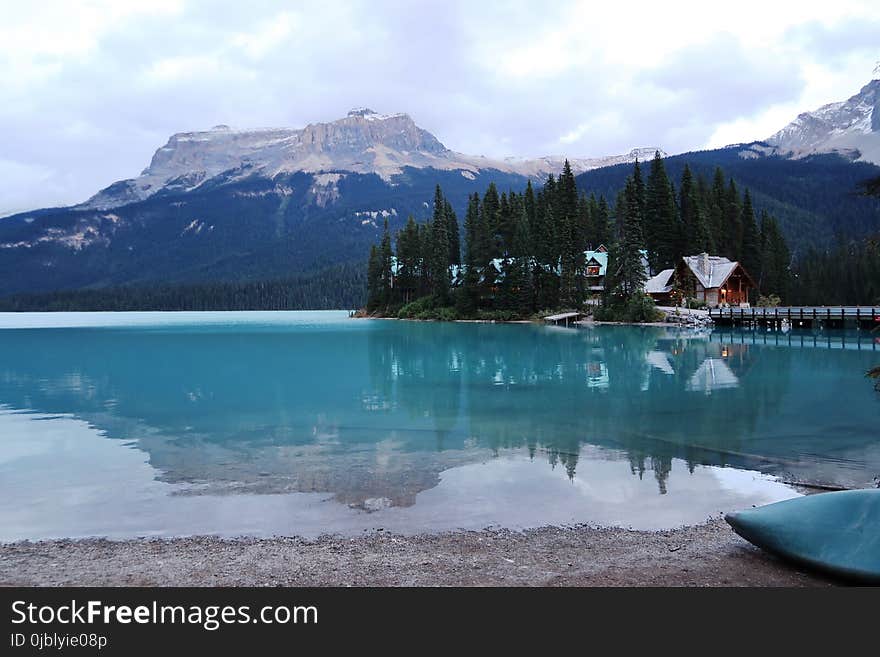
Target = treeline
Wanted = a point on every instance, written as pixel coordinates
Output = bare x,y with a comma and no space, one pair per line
847,274
340,287
521,253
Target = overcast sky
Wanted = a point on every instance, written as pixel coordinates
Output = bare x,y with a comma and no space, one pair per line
91,88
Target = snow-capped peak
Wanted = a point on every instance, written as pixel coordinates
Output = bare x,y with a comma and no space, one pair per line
850,128
370,115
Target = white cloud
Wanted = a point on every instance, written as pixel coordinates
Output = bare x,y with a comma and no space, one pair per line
92,88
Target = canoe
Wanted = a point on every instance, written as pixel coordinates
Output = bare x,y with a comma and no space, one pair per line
838,533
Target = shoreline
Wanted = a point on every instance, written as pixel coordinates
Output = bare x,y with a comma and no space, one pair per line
710,554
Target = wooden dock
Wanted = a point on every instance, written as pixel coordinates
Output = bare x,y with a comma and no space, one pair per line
563,318
799,316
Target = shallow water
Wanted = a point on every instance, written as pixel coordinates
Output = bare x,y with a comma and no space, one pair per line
129,424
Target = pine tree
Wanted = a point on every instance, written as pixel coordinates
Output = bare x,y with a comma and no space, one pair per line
547,261
696,234
715,214
775,259
732,231
639,188
490,218
568,196
469,298
751,241
568,248
602,222
625,260
529,205
385,260
439,250
522,247
409,253
452,228
374,280
662,232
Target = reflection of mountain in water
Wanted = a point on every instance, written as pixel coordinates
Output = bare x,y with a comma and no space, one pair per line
375,411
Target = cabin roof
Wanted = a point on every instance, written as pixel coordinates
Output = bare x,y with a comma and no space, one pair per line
661,283
710,270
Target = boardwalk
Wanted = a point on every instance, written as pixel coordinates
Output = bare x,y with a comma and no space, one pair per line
800,316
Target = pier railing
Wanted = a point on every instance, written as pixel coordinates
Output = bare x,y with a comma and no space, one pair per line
798,315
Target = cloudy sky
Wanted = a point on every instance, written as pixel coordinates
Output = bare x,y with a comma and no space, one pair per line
91,88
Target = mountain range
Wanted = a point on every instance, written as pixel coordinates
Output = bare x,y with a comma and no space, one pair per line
248,205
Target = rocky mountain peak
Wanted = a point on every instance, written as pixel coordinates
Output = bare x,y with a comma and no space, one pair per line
850,128
363,141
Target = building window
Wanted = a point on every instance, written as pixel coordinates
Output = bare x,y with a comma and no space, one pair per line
593,270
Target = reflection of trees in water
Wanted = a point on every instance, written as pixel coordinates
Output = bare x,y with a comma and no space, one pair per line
245,397
556,391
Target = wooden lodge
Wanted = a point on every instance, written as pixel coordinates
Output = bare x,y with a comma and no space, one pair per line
714,280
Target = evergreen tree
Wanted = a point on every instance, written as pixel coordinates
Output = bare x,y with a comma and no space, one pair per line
751,241
529,206
732,230
696,234
775,259
625,260
409,254
568,247
602,222
639,188
469,298
385,260
452,228
716,199
523,292
568,196
490,218
439,250
374,280
547,261
662,233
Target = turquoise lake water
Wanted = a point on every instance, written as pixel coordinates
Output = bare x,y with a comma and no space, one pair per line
134,424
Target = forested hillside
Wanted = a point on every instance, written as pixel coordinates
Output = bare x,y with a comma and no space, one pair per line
342,287
815,199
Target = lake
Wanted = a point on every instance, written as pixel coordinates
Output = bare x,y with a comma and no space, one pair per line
304,423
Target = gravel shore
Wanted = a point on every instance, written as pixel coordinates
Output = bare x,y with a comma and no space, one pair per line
704,555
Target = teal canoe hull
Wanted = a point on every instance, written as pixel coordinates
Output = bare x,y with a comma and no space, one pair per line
838,533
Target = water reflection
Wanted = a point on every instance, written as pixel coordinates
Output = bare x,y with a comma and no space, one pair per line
376,412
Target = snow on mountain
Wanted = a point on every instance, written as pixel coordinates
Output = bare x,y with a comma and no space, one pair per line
361,142
850,127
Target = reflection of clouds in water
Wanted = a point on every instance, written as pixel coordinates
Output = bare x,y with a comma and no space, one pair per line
80,484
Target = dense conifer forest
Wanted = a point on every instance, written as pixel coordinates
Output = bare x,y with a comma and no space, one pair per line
339,287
